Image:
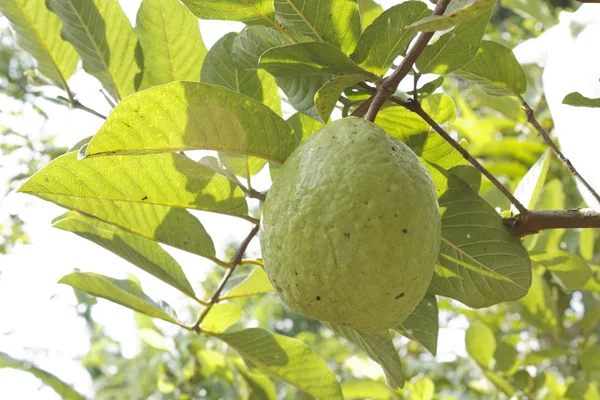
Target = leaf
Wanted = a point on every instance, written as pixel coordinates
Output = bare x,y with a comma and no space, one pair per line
65,391
287,359
379,347
257,282
480,343
171,43
501,383
102,35
481,262
388,37
193,116
428,88
117,182
125,292
248,11
538,306
590,358
366,389
553,353
589,321
213,164
496,69
453,49
333,21
530,187
310,58
37,31
422,324
587,240
507,358
422,389
303,125
261,387
368,10
328,95
582,389
242,165
457,12
301,91
221,316
578,100
252,42
570,271
141,252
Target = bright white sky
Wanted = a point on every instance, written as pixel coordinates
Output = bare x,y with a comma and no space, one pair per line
37,317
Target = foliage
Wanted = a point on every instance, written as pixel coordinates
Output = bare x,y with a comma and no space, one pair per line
535,327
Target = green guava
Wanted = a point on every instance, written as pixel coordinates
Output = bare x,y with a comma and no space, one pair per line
351,227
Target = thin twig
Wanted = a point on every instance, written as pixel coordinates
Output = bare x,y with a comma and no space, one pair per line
542,132
235,261
389,86
538,220
78,105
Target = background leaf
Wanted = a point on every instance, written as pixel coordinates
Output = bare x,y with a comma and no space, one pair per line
171,43
102,35
37,31
366,389
328,95
252,42
369,10
248,11
570,271
222,316
578,100
496,69
457,12
301,91
422,324
285,358
529,188
480,343
257,282
141,252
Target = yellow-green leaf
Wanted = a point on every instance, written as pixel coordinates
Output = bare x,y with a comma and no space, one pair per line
257,282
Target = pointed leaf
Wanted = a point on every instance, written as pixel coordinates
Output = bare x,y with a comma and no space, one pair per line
328,95
480,343
388,37
529,189
102,35
301,91
243,166
248,11
214,165
379,347
366,389
422,324
194,116
141,252
332,21
287,359
261,387
162,179
570,271
369,11
458,12
171,43
257,282
222,316
578,100
64,390
538,306
453,49
303,126
310,58
252,42
481,262
125,292
37,31
496,69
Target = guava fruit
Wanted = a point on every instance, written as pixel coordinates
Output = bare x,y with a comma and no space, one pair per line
351,227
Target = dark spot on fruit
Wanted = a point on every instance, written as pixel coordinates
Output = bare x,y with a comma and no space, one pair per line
318,298
405,230
396,215
296,273
484,249
393,148
347,235
279,289
400,295
144,198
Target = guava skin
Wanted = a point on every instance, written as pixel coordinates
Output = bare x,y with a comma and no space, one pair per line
351,227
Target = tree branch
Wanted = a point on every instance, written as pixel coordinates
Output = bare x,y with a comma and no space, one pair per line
78,105
235,261
389,86
538,220
542,132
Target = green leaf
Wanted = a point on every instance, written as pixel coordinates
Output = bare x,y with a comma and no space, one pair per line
481,262
125,292
301,91
530,187
171,43
116,182
214,165
455,48
570,271
243,166
369,11
332,21
538,9
379,347
589,321
261,387
310,58
257,282
194,116
538,306
422,324
578,100
501,383
287,359
303,125
428,88
388,37
480,343
252,42
553,353
37,31
496,69
328,95
457,12
366,389
590,358
422,389
582,389
102,35
587,240
221,316
65,391
141,252
507,358
259,12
